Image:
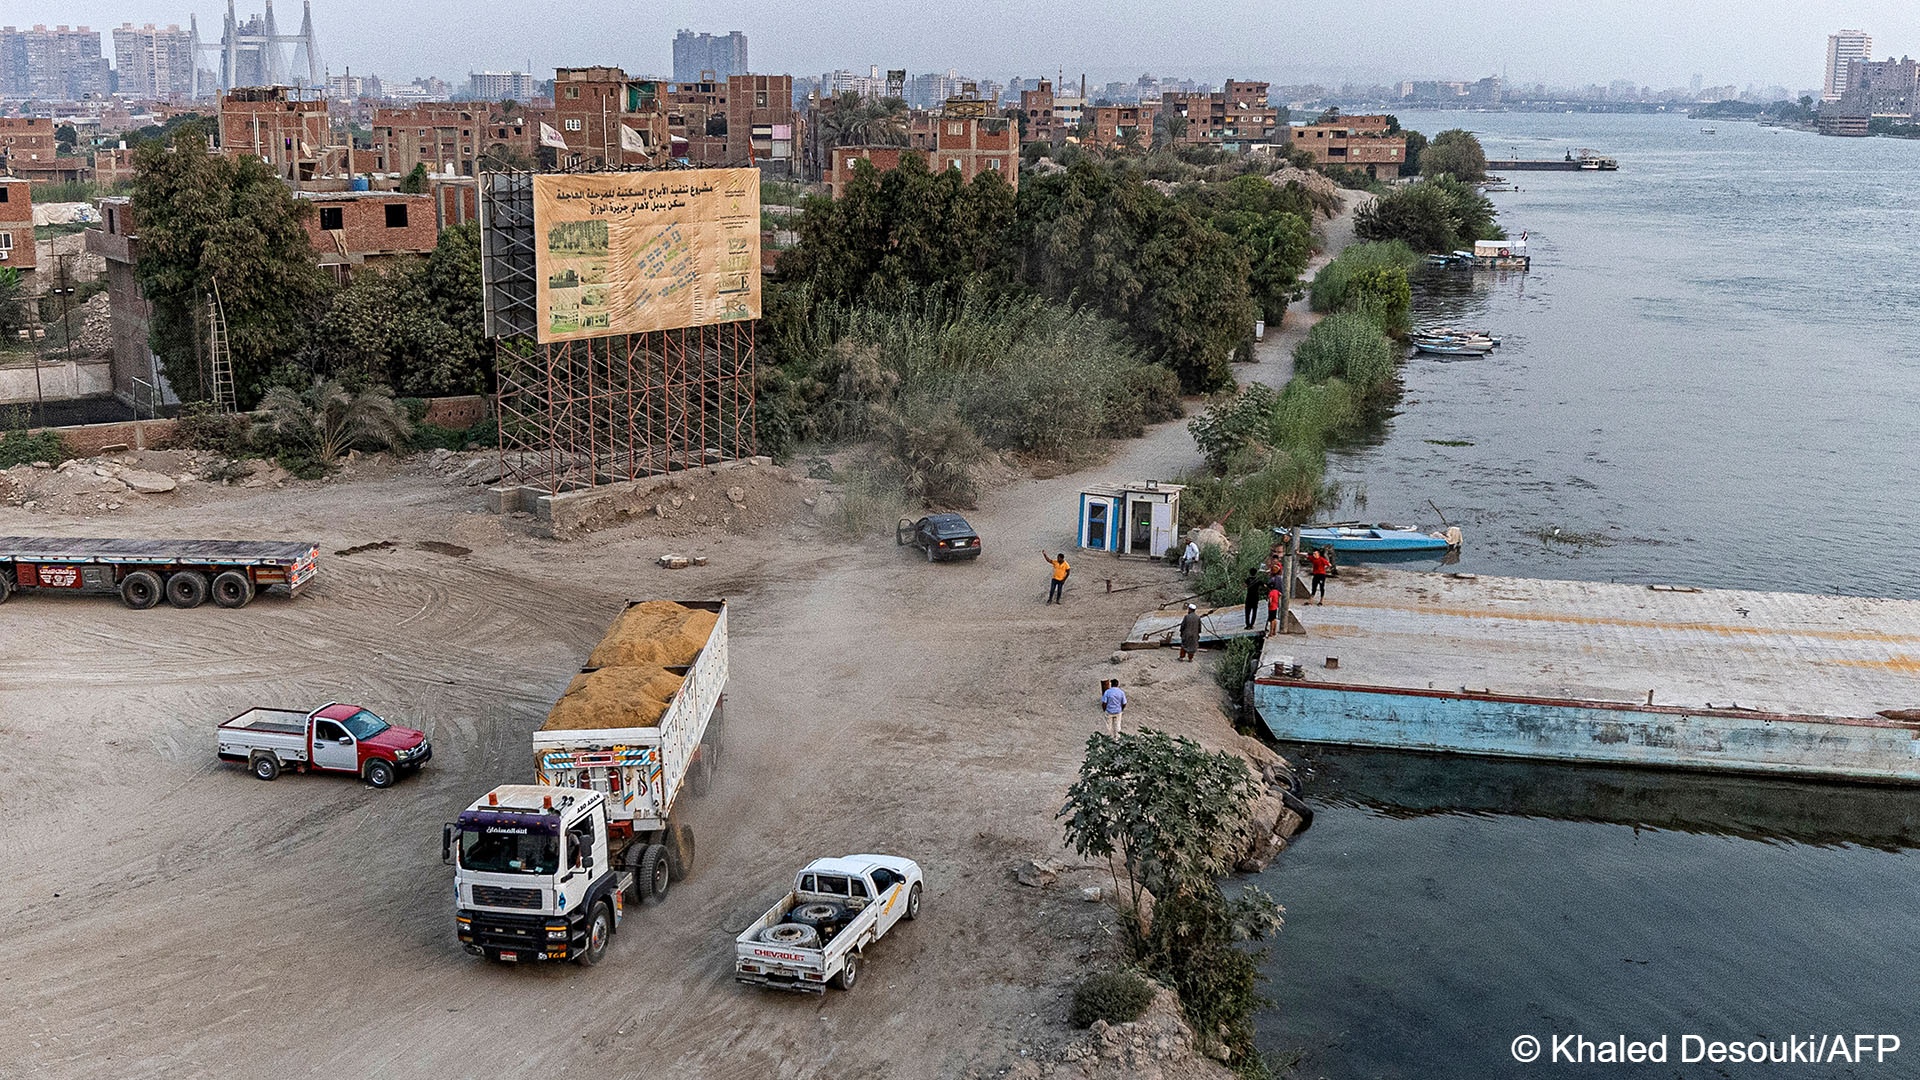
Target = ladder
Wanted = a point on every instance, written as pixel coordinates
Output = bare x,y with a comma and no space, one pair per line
221,361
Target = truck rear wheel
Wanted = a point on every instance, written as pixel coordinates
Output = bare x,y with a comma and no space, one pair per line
187,589
265,766
140,589
6,582
849,974
380,773
599,930
680,850
232,589
656,873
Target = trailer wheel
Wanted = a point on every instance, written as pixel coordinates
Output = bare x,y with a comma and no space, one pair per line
849,974
797,935
265,766
140,589
599,929
819,914
913,904
6,582
656,874
380,773
680,850
187,589
232,589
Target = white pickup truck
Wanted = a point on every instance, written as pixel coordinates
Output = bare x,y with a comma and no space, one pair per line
332,738
816,934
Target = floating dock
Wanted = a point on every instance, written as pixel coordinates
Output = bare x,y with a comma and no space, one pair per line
1785,684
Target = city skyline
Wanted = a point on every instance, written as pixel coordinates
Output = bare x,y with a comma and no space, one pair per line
1778,43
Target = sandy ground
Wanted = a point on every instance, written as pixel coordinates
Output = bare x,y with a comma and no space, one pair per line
170,916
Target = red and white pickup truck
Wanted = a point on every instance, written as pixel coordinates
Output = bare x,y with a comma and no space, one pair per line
331,738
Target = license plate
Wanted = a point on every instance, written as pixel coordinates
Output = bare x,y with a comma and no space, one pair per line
509,956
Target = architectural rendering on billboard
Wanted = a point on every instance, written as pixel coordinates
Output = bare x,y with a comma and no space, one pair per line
629,253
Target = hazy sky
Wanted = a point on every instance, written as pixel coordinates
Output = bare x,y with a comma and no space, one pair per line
1659,43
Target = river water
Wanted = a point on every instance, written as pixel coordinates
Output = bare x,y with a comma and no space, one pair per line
1710,376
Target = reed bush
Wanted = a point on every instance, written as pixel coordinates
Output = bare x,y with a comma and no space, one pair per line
1331,286
1349,346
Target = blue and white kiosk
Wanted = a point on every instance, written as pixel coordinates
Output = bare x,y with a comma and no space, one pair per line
1130,519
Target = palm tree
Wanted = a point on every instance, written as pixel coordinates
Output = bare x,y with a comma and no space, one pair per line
327,420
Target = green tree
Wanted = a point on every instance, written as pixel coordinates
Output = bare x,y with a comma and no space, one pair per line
417,326
1456,153
1416,148
415,182
207,219
12,314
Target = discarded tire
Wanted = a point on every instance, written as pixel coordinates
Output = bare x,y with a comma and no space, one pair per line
818,914
798,935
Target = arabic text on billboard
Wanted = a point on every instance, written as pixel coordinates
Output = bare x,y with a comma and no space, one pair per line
628,253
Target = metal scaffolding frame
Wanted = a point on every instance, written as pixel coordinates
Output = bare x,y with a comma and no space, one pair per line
575,414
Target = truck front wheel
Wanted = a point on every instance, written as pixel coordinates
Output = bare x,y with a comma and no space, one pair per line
848,974
913,904
599,930
140,589
380,773
656,873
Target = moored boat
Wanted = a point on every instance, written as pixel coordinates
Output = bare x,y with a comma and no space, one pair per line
1382,537
1453,346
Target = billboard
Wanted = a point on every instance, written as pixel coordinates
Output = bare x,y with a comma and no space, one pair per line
628,253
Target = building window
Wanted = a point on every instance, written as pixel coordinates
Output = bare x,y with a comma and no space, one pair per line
396,215
573,91
3,193
760,99
994,164
955,129
6,241
332,217
573,125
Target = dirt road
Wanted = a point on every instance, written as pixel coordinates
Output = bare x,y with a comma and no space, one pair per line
169,916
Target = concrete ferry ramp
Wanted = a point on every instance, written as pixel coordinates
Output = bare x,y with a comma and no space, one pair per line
1769,682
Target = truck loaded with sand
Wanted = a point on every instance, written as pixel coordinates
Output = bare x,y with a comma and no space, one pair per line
543,870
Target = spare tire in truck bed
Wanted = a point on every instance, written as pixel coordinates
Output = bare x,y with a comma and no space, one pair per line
798,935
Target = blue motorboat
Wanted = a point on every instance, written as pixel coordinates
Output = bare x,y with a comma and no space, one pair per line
1360,538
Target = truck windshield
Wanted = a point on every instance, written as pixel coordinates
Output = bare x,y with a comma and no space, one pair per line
493,851
365,725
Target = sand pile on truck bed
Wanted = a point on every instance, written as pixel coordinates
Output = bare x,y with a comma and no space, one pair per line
657,633
630,685
615,697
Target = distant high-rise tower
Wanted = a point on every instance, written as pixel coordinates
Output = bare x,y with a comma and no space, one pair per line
154,63
698,56
1842,49
61,64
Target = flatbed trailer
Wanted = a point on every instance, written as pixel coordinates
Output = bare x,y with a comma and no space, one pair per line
184,573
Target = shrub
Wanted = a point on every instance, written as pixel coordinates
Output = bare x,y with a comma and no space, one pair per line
1236,665
1330,286
1118,997
1284,491
19,448
199,427
1351,347
1230,423
312,428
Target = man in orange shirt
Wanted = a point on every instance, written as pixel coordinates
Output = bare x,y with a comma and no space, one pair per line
1060,572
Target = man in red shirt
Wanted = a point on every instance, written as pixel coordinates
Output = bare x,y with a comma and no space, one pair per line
1318,565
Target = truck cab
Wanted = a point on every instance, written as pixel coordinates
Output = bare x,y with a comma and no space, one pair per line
533,874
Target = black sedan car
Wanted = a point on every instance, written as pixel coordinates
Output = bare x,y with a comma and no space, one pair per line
941,536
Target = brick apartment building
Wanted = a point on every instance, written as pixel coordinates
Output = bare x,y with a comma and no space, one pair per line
16,225
456,139
970,144
606,118
1357,142
25,140
279,126
1036,107
741,120
1235,118
1114,126
353,229
115,238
